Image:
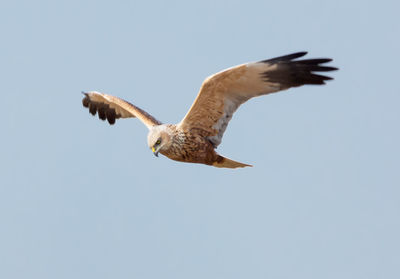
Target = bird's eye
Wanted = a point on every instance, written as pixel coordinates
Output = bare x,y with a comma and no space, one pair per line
158,141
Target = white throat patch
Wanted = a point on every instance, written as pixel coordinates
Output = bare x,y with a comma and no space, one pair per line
155,133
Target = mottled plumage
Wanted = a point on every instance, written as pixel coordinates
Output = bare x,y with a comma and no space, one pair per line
195,138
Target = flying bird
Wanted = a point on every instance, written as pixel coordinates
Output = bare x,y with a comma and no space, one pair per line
195,138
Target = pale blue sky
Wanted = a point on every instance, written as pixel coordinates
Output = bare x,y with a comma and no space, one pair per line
82,199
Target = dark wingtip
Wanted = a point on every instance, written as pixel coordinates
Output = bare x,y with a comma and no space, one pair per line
326,69
92,108
292,73
104,111
288,57
111,119
300,53
85,101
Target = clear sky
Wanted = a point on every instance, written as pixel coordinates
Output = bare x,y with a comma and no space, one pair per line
82,199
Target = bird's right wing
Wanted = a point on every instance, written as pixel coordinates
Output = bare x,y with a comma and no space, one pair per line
111,108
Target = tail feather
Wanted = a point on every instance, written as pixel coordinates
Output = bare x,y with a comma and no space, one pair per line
223,162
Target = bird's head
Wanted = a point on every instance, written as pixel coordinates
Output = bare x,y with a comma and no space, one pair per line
159,138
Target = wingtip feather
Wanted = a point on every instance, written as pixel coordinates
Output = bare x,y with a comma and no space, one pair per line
288,57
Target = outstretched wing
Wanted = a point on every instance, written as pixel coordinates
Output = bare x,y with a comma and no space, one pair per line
111,108
221,94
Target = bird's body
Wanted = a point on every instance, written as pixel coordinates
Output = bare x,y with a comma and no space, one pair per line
195,138
190,146
185,144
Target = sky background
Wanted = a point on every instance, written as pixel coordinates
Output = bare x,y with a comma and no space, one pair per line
82,199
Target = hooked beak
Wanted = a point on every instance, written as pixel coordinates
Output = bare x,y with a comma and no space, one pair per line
154,151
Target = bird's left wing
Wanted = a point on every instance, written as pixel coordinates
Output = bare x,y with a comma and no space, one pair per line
221,94
111,108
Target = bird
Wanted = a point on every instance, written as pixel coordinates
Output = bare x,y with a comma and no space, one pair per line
195,138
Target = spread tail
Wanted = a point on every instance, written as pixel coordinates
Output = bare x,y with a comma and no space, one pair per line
223,162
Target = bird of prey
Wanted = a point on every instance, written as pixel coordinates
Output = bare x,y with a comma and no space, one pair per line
195,138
